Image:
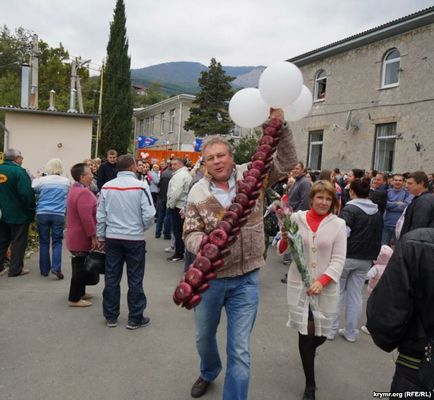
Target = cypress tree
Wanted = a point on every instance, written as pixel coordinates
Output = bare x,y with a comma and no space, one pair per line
117,106
209,114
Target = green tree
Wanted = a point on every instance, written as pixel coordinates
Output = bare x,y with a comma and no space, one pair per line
244,148
209,114
117,107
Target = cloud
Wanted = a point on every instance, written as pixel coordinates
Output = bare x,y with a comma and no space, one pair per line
235,32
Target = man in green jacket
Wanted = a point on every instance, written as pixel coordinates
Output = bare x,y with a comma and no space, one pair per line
17,209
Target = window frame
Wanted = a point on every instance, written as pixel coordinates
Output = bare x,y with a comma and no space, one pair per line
384,65
162,123
312,143
377,140
323,79
172,120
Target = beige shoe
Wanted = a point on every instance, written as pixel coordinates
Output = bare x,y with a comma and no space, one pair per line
24,271
80,303
86,296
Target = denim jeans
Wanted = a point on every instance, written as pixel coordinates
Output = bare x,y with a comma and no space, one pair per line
164,221
50,226
388,235
239,296
351,285
133,253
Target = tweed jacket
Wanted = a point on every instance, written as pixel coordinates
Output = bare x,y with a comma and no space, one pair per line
324,253
204,212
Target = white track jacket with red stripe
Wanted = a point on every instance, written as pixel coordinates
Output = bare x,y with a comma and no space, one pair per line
125,208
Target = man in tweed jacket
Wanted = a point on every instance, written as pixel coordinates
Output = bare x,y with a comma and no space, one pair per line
237,285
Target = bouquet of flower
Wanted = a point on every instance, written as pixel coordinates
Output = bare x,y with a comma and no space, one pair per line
283,214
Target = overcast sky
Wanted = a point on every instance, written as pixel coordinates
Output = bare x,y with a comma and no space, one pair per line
235,32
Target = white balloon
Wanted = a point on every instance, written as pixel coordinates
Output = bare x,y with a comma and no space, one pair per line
300,107
280,84
247,108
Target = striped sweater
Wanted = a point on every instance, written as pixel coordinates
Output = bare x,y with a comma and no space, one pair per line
204,212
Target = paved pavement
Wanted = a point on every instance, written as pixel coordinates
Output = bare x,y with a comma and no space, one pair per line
49,351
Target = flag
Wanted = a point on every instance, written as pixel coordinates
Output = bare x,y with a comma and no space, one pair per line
198,144
145,141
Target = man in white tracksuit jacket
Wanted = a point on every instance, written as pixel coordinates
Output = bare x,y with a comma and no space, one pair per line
125,212
176,199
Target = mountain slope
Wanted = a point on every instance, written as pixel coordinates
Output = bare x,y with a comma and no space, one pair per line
182,76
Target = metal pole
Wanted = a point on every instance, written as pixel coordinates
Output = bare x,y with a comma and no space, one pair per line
35,69
73,79
98,127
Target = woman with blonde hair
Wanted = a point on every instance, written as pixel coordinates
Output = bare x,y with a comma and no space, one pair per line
52,190
324,247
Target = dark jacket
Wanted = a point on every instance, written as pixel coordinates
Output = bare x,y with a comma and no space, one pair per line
365,225
298,196
403,300
164,183
379,197
419,214
106,173
17,198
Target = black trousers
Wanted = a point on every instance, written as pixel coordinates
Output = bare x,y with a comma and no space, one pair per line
406,380
15,235
77,288
177,226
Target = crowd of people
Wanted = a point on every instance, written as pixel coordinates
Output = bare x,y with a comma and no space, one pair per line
356,227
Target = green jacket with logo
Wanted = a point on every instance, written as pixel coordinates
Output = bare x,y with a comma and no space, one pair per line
17,199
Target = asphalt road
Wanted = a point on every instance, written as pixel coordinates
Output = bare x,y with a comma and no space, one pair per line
49,351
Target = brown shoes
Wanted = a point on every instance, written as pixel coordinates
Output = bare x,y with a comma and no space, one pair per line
79,303
199,387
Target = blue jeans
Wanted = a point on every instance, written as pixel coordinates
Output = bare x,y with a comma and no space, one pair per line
388,235
351,285
164,221
50,226
133,253
240,297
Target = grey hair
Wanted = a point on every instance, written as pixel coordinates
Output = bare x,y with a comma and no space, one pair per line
217,140
11,154
54,167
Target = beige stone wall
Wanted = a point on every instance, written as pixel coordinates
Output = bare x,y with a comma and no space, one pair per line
354,83
41,137
182,112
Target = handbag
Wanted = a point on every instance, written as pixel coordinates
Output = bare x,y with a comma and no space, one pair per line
94,265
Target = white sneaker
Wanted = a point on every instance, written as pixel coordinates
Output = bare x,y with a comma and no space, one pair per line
169,249
343,333
364,329
331,336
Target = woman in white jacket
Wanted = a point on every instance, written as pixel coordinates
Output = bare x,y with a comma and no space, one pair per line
324,246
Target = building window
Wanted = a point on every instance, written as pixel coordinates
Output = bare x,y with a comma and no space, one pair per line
384,149
161,123
141,127
172,121
320,85
391,67
315,150
236,132
146,130
151,125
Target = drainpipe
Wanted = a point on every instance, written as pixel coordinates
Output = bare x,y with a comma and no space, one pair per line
180,124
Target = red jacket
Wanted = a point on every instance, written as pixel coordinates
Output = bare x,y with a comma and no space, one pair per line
80,218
